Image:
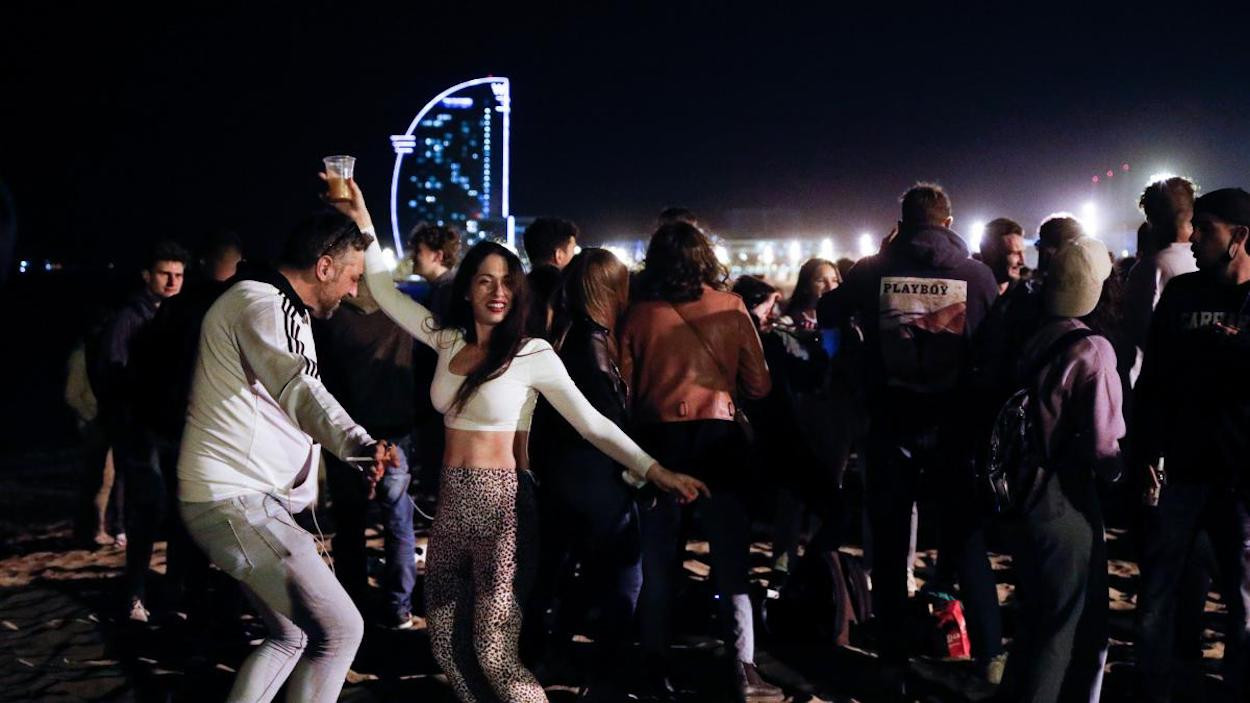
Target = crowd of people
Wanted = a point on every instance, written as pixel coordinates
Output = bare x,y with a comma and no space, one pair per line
578,422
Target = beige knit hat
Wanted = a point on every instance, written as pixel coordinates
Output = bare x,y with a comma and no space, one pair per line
1075,277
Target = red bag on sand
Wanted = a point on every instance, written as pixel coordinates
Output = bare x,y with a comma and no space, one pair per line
952,632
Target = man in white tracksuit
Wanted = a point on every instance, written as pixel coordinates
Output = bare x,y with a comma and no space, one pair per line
255,419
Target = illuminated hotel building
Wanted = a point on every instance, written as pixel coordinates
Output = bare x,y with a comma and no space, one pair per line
451,166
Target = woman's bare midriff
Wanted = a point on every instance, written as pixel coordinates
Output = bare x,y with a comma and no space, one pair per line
486,450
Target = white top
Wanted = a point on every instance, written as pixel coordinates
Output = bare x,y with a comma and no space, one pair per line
506,402
1144,286
258,410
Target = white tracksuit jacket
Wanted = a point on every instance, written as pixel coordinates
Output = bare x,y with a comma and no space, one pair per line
258,409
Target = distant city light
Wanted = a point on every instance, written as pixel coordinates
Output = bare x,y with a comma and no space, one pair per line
622,254
826,249
768,256
796,252
867,245
976,232
722,254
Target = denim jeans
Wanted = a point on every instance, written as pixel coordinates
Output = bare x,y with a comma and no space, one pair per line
314,629
147,465
714,451
351,508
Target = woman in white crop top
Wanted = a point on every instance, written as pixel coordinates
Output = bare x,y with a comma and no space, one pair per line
486,385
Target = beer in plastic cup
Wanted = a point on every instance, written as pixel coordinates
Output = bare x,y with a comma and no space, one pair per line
338,170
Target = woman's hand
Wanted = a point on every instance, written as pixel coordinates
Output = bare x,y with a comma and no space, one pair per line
686,487
354,208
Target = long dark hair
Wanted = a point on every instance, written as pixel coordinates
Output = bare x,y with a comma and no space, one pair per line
680,261
803,299
596,286
507,337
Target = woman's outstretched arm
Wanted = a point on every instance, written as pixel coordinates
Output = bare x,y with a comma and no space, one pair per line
406,312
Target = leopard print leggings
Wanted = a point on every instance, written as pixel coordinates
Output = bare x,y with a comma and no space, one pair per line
479,571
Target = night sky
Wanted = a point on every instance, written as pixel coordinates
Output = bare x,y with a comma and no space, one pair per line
120,127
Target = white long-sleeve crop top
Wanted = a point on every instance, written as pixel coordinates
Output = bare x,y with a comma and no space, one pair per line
506,402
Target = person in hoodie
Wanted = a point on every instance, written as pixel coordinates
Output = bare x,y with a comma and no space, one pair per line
1059,546
919,302
1192,439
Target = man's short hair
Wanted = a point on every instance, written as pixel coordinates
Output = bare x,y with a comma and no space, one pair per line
544,236
925,204
442,238
326,233
995,230
1164,200
1059,228
167,250
219,243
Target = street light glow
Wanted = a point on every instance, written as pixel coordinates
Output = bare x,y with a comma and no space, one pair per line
976,233
1089,218
826,249
867,247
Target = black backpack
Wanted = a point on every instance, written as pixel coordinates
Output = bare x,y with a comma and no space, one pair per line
827,592
1012,469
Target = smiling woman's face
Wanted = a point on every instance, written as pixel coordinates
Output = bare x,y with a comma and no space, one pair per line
490,294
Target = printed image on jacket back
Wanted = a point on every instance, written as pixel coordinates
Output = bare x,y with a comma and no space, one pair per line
922,323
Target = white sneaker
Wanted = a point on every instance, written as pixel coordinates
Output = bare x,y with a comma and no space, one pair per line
138,613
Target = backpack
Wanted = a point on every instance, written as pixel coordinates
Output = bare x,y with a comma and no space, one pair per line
826,593
1012,470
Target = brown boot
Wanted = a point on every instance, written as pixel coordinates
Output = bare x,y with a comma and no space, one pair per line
754,689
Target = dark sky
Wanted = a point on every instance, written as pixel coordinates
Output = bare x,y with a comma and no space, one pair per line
122,126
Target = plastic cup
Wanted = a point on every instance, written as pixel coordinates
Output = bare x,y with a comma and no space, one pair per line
338,170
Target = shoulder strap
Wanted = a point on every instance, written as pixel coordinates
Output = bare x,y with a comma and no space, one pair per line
1057,348
729,378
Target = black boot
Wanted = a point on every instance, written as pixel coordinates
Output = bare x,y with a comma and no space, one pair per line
754,689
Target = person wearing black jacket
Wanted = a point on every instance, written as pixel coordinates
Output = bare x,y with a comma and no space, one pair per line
139,460
587,511
920,302
1192,438
800,438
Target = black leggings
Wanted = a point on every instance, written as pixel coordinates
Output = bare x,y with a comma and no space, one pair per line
479,570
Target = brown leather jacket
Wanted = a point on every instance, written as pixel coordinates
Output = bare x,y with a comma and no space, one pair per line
672,376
